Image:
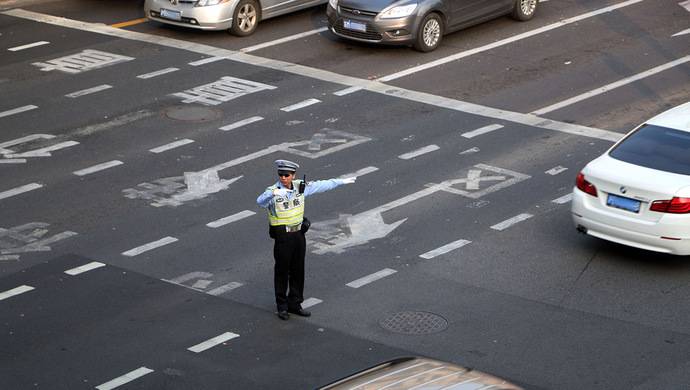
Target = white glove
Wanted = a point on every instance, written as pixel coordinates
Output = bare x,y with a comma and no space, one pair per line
349,180
282,192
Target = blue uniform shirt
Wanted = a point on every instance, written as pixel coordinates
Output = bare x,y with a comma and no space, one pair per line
265,200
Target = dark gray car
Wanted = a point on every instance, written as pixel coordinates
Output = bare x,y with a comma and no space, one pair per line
421,23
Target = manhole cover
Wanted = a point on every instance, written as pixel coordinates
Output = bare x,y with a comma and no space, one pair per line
414,322
191,113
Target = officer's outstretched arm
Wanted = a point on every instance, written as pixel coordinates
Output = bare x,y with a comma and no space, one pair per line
314,187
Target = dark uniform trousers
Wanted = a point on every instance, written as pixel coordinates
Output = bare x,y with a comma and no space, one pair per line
289,251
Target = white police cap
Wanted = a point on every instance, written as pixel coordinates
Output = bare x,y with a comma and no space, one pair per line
285,165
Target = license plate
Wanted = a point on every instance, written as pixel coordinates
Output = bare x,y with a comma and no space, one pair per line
356,26
623,203
168,14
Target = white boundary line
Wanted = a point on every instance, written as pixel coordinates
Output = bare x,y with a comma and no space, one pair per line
264,45
511,221
17,110
609,87
208,344
20,190
150,246
319,74
98,168
15,291
84,268
172,145
371,278
128,377
28,46
419,152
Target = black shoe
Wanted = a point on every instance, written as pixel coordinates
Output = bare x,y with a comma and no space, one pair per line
300,312
283,315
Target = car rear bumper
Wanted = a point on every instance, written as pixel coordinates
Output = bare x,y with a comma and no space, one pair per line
399,31
216,17
669,235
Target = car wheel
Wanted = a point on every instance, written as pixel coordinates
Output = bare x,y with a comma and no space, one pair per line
430,33
524,9
245,18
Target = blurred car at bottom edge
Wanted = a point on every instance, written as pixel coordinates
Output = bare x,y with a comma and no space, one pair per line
420,373
638,192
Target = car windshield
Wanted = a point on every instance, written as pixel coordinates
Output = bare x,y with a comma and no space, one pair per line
656,147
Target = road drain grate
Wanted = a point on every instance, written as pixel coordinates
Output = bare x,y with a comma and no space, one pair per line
414,322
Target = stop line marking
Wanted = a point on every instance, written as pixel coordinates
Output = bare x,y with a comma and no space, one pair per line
511,221
283,40
128,377
205,61
208,344
150,246
28,46
15,291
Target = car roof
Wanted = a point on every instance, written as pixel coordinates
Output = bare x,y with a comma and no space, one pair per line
676,118
419,373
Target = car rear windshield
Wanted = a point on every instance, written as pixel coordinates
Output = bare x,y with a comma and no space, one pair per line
656,147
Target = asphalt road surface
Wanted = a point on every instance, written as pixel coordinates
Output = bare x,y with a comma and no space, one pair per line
132,252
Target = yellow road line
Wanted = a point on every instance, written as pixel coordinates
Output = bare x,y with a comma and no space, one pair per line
129,23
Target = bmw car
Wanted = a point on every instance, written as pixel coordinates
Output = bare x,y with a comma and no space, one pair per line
420,23
638,192
240,17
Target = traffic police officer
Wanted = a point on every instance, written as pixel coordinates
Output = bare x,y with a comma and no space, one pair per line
285,204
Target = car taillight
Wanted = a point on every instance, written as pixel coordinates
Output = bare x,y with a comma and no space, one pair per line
585,186
675,206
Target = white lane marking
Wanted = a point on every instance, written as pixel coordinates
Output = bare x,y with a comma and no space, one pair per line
419,152
98,168
150,246
9,257
172,145
609,87
444,249
224,288
556,170
347,91
299,105
12,160
201,284
359,173
241,123
319,74
157,73
84,268
482,130
28,46
511,221
205,61
685,4
371,278
188,277
283,40
309,302
221,91
208,344
563,199
683,32
470,150
229,219
128,377
88,91
15,291
17,110
506,41
19,190
43,152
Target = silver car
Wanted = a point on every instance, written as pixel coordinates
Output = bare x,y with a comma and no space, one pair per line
421,23
240,17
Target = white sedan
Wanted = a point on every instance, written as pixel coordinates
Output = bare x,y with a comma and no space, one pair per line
638,192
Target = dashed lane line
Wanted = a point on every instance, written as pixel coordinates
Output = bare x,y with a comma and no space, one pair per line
319,74
482,130
563,199
347,91
172,145
28,46
297,106
208,60
224,288
309,302
20,190
283,40
150,246
230,219
84,268
241,123
609,87
98,168
88,91
208,344
157,73
371,278
511,221
359,173
15,291
556,170
17,110
444,249
128,377
419,152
